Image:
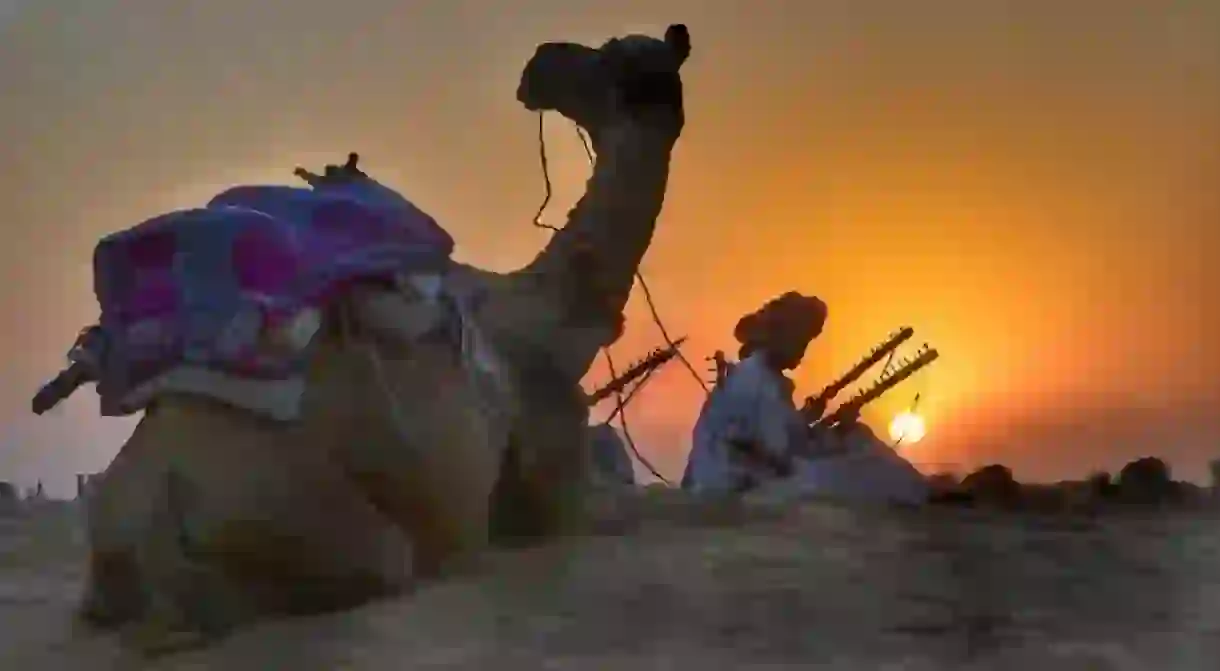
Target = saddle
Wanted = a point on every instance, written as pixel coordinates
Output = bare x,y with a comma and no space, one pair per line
223,300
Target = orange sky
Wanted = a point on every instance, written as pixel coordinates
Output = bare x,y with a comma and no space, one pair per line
1033,189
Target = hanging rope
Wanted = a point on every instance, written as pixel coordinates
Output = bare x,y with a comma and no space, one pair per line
620,402
648,300
620,399
546,175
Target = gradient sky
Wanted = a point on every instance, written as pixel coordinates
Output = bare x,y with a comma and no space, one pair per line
1035,189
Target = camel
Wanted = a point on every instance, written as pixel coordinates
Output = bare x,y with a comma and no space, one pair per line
397,471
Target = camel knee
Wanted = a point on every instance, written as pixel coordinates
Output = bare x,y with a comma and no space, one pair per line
539,494
434,486
114,592
444,524
452,519
426,459
262,568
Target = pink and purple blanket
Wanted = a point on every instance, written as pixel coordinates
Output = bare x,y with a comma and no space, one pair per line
199,286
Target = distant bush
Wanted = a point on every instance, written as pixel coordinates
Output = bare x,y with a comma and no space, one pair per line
943,482
1101,486
1146,480
994,485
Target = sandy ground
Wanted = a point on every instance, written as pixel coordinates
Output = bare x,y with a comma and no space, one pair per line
822,586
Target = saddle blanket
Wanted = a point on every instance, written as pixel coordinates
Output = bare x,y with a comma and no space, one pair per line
191,299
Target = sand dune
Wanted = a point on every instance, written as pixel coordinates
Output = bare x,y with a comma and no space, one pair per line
822,586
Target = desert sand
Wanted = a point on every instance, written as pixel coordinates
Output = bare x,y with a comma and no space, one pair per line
661,585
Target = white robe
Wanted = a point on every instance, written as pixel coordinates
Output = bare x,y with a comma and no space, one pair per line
855,467
754,403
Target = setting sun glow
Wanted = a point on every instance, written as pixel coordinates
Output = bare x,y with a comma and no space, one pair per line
907,427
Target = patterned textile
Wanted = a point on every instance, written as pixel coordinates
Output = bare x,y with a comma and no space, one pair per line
201,287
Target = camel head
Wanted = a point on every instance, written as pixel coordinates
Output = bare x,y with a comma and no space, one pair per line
627,95
634,77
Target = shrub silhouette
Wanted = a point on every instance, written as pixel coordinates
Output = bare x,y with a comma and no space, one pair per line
1101,486
1146,480
992,484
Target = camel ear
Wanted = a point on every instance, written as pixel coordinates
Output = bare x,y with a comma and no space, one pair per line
678,39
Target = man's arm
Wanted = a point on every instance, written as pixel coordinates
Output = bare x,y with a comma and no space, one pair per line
776,427
825,441
756,453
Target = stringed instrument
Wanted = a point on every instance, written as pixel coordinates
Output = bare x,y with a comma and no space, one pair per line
655,359
879,352
887,381
720,367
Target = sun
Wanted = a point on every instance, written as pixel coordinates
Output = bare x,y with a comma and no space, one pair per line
907,427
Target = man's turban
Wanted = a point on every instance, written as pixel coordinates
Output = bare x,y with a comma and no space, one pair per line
791,313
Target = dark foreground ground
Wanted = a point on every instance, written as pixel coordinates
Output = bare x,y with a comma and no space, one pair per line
820,586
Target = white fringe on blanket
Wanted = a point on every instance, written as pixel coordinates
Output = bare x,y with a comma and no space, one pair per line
418,307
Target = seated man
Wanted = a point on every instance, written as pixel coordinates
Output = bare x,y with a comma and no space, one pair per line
751,436
749,430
